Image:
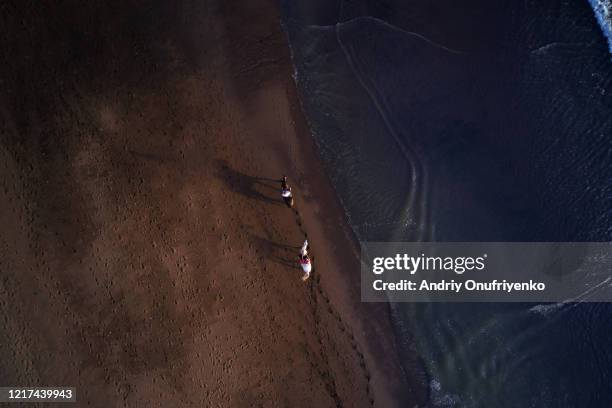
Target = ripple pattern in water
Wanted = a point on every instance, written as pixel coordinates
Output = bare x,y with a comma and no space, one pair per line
467,121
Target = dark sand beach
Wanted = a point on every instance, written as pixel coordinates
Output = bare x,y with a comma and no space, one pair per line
146,256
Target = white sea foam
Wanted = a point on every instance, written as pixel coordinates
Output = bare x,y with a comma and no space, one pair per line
603,12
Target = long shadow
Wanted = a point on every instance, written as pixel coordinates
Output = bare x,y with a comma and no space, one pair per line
285,262
150,156
272,244
286,255
245,184
268,245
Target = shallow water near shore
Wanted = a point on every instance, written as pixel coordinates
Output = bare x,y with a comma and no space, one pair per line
478,122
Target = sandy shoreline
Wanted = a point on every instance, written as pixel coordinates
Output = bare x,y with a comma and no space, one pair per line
148,260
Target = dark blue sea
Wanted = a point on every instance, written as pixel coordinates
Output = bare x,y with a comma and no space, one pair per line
472,120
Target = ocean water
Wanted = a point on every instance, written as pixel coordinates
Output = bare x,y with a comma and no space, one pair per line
472,120
603,13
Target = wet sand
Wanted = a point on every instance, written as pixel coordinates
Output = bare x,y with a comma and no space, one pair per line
147,258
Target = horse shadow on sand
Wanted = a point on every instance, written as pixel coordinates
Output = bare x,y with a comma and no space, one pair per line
249,186
286,255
